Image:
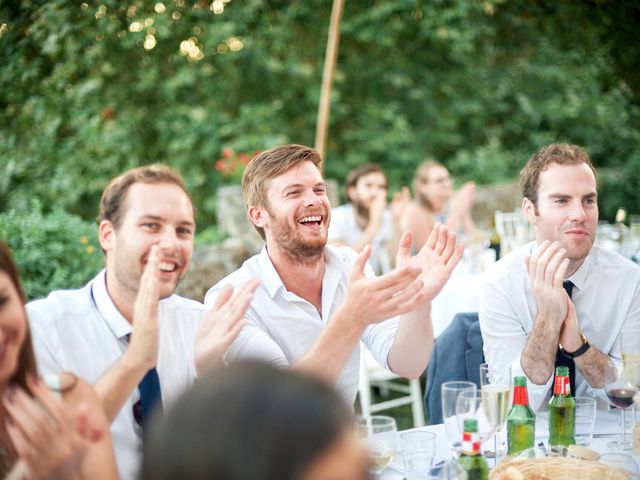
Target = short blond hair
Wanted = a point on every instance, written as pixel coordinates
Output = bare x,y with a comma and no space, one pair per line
269,164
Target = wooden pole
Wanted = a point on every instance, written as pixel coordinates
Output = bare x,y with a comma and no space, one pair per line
333,41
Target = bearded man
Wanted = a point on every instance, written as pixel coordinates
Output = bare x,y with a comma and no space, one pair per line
317,302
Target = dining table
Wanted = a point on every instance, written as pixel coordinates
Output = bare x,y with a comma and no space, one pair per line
607,428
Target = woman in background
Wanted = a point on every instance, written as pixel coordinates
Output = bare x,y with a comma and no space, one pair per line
435,201
49,428
251,421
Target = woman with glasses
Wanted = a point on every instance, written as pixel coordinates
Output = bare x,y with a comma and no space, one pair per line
52,427
435,201
252,421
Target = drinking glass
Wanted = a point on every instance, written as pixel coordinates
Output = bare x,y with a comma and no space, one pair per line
379,434
620,392
442,469
450,392
496,391
585,420
469,405
417,445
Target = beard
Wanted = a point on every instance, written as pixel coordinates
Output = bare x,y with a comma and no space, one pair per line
362,210
294,245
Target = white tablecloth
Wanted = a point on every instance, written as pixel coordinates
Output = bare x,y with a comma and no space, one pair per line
607,428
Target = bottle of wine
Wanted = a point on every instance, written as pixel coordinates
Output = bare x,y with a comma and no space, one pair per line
521,421
470,459
562,411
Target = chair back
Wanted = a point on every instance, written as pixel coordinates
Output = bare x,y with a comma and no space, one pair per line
514,230
457,355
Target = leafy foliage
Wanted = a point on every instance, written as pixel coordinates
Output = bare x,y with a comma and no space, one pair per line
54,250
88,90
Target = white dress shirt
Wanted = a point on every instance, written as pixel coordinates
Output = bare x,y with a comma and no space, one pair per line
606,296
344,228
82,332
281,327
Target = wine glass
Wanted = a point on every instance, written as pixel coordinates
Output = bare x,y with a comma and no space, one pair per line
496,390
450,392
379,434
620,391
469,405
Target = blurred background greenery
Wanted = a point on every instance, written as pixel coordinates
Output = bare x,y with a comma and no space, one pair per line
89,89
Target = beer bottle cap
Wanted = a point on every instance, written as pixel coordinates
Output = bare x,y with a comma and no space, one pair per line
520,381
562,371
470,425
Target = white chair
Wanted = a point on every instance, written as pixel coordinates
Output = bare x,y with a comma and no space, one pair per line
372,374
514,230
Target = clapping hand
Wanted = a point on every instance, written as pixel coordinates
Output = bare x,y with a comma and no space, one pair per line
144,341
374,299
547,267
222,324
50,439
436,259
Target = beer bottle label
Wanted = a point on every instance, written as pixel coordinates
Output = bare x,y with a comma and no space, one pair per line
471,443
520,396
561,386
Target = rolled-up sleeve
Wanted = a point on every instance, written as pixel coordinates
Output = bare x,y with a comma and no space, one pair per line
505,338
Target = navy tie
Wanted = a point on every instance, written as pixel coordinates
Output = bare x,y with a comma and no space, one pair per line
562,360
150,397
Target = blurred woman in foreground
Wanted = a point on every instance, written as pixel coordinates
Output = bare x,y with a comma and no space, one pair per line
49,428
251,421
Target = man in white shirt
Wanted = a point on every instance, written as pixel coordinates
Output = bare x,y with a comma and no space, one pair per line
146,228
316,301
366,220
531,317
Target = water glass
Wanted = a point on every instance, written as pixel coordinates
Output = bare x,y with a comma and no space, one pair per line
585,420
442,469
450,392
418,445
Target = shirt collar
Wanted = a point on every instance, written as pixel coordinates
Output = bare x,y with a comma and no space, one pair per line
268,274
111,315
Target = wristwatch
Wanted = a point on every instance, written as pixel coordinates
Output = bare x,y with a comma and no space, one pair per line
583,348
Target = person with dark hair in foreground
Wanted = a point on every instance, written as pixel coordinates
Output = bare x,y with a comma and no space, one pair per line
252,421
52,427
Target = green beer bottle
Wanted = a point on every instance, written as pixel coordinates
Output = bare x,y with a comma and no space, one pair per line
562,411
521,421
470,459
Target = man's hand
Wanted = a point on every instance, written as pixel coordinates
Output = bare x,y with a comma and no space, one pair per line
436,259
143,345
376,210
570,333
50,439
222,324
547,267
399,204
372,300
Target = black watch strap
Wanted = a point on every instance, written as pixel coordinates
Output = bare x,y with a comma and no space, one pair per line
580,351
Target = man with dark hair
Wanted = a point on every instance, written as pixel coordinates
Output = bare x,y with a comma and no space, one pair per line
317,302
126,331
559,301
366,220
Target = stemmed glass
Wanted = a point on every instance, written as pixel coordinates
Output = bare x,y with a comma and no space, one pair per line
450,393
496,392
620,391
379,434
470,405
